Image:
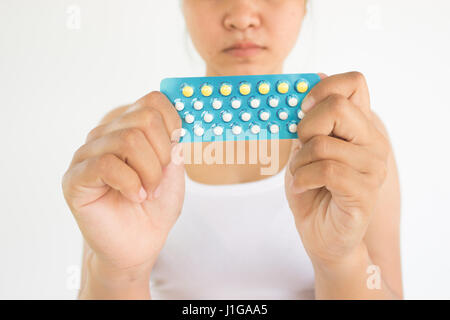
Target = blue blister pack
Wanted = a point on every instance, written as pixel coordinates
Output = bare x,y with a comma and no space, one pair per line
239,107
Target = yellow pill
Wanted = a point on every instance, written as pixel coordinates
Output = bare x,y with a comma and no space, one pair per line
207,90
244,89
302,86
264,88
188,91
225,89
283,87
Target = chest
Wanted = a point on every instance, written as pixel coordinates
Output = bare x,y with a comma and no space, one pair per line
234,248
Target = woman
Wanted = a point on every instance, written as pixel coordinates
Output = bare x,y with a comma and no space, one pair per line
324,225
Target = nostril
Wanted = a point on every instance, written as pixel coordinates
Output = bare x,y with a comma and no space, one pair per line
241,21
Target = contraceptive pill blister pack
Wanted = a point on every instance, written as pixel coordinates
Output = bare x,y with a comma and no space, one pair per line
239,107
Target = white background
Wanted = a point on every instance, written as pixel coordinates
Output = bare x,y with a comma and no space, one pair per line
57,81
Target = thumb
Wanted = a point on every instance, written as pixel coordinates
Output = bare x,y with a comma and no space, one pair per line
173,174
322,75
168,198
300,204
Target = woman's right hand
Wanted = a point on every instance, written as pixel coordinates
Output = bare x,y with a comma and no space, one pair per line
125,186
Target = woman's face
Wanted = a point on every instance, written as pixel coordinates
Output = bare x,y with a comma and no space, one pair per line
237,37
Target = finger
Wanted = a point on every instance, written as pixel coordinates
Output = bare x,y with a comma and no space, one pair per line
161,103
148,120
100,173
351,85
322,75
333,175
338,116
132,147
330,148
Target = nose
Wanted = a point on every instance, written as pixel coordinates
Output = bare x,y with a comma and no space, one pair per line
242,15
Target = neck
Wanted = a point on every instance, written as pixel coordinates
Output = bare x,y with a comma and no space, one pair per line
236,172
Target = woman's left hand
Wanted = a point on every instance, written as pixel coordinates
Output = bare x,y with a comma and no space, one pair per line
336,173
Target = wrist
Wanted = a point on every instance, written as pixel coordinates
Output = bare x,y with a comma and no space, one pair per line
105,281
344,266
347,278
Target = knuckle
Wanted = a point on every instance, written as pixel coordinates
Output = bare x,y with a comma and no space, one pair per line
337,104
104,162
358,77
319,147
150,99
79,153
66,180
156,94
150,116
328,170
154,97
131,137
94,133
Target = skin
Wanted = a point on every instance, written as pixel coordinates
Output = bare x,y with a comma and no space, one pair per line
125,185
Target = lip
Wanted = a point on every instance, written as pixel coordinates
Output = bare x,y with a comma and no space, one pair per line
244,49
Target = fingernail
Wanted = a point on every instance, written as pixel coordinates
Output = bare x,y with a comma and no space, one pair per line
142,194
298,145
308,103
176,135
157,192
176,156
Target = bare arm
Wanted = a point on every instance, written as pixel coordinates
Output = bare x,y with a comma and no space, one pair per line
343,190
383,250
117,187
95,282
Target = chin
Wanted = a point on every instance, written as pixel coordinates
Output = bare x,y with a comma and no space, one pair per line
244,68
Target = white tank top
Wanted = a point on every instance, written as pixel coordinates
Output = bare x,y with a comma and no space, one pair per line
234,242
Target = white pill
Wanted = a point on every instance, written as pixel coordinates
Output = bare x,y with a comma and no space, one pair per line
246,116
179,105
236,104
300,114
183,132
292,101
292,128
274,128
264,115
254,103
189,118
273,102
199,131
283,115
217,104
198,105
208,117
236,129
226,116
218,130
255,129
